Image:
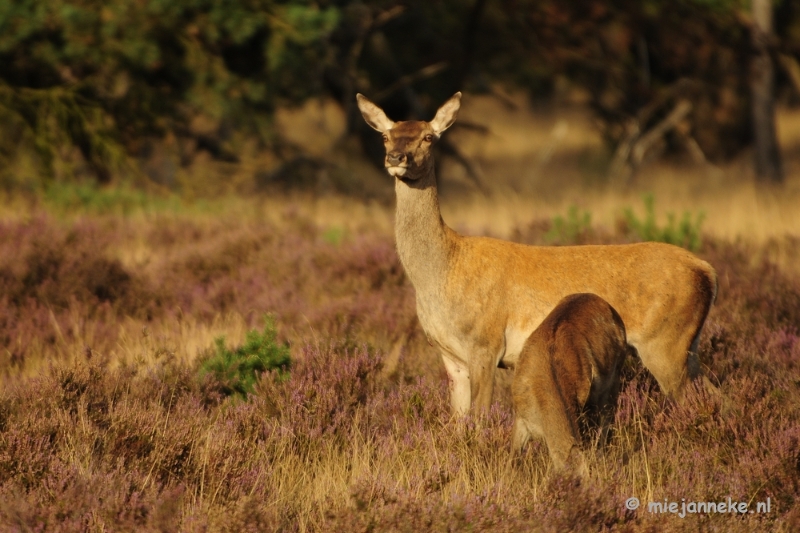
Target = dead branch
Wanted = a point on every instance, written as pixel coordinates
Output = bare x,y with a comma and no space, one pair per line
633,148
792,69
623,151
404,81
657,132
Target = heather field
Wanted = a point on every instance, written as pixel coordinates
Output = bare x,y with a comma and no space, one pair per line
204,322
111,418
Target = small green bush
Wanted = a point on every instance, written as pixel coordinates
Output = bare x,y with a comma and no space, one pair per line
684,232
571,229
333,235
236,370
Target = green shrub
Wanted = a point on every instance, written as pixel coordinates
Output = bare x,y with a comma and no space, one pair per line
684,232
236,370
571,229
333,235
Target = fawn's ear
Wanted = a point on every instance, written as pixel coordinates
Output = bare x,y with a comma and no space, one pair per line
373,115
446,114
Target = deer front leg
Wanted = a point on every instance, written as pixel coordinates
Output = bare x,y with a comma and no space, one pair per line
460,389
482,380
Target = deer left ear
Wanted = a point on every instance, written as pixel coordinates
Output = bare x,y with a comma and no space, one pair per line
373,115
446,114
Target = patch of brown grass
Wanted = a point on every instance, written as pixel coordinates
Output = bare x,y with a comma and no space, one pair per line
105,422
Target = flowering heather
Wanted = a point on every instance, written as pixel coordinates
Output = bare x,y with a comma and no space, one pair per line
107,422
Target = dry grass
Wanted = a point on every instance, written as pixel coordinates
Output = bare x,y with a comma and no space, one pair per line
106,424
538,163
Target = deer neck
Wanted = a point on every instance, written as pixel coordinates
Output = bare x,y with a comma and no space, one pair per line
424,242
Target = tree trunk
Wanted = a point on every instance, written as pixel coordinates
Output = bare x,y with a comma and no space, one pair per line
762,86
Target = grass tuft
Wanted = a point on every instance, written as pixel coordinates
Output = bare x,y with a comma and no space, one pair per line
237,370
683,232
574,228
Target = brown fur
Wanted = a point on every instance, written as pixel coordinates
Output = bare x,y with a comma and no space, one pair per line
478,299
569,363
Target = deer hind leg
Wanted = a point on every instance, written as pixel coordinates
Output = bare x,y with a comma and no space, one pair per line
668,358
547,414
672,356
460,388
565,454
561,436
576,463
521,434
562,444
541,410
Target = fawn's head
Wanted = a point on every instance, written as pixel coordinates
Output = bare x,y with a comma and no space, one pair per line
408,144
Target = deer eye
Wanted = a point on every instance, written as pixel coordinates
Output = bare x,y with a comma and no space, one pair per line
428,138
385,138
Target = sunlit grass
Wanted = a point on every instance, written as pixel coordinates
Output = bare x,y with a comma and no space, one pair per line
110,298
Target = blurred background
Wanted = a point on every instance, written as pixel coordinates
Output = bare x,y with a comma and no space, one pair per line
566,103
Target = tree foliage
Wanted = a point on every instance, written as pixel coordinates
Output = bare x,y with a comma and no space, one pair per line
99,79
101,76
637,58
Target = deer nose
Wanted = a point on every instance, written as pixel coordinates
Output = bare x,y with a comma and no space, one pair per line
395,158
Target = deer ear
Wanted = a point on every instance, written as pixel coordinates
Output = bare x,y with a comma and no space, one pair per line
373,115
446,114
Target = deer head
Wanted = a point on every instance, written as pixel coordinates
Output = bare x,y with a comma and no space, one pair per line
408,144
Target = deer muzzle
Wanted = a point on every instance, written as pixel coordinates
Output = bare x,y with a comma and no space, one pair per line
395,159
396,163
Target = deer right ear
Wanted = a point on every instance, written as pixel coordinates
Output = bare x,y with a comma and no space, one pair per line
373,115
446,114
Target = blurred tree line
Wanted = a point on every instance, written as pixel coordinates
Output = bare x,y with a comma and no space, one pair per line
96,82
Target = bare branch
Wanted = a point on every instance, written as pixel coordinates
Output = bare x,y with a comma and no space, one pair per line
404,81
792,69
646,141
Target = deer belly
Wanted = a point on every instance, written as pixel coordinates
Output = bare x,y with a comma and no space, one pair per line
515,338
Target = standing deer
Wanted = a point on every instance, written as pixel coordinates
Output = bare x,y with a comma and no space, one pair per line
478,299
569,364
